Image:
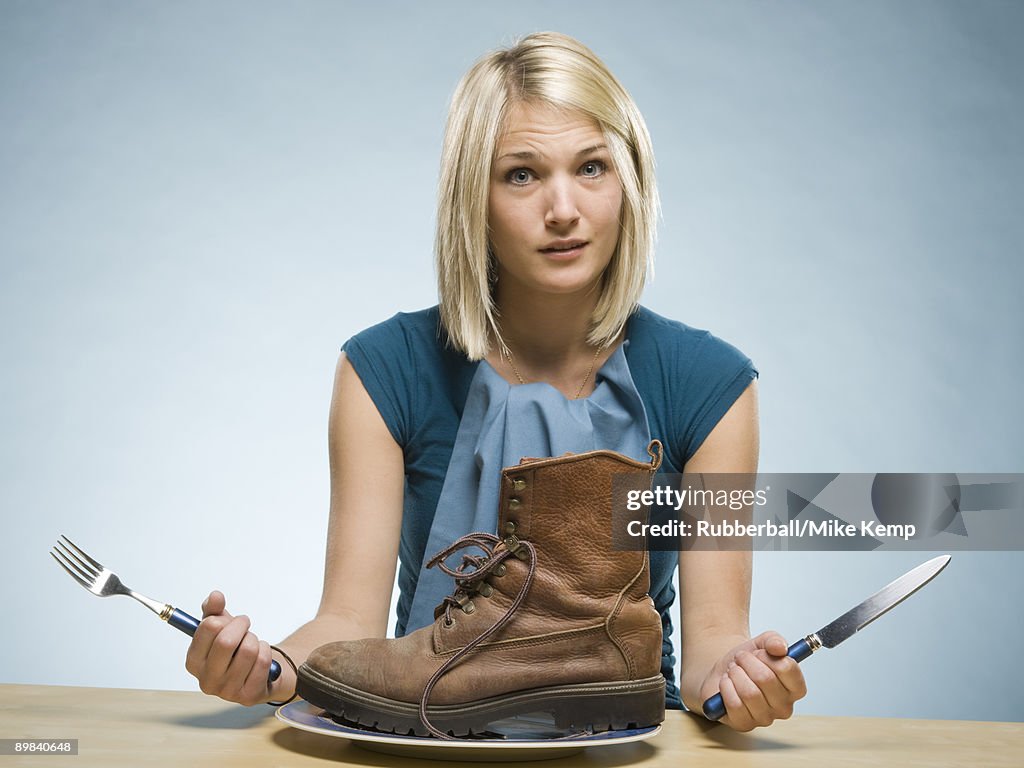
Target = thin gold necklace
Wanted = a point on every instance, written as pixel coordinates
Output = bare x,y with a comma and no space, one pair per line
507,354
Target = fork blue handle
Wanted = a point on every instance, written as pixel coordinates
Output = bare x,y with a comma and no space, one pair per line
189,625
714,708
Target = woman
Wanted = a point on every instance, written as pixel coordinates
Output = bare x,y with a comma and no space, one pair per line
545,231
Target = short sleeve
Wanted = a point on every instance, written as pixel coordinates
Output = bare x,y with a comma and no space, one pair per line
382,357
687,378
715,375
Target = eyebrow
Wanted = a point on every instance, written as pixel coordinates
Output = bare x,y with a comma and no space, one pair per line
530,155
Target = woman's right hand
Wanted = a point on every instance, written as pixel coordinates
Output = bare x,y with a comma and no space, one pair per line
230,661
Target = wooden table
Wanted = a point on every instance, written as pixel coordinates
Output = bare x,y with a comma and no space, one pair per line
116,727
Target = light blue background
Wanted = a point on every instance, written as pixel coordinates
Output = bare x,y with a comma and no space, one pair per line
199,202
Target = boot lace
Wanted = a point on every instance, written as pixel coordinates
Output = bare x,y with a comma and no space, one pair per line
468,575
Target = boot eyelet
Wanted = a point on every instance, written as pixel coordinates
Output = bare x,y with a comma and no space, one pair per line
514,503
519,484
500,569
484,589
448,623
468,607
510,528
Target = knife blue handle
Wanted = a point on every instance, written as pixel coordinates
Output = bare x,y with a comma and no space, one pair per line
189,625
714,708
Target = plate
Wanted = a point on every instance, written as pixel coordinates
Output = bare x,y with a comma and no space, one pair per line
523,746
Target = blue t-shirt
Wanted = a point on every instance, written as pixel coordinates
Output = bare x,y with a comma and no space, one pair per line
687,379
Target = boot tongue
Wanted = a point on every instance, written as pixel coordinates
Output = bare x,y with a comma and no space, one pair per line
501,424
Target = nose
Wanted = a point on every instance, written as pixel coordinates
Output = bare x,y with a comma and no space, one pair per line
562,208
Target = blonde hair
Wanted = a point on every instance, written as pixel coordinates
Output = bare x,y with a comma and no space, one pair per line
554,69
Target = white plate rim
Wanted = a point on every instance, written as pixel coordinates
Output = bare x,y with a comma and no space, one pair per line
594,740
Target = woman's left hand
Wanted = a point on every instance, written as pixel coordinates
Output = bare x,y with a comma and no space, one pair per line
759,683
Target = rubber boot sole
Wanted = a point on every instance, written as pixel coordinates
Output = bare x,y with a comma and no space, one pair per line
587,706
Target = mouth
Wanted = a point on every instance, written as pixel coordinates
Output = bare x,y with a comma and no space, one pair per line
564,248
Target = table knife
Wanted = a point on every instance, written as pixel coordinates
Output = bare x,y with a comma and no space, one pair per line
852,621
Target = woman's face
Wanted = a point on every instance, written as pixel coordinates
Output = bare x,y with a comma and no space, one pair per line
554,202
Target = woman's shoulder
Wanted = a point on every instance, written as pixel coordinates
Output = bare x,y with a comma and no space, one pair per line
407,368
404,328
653,335
687,377
648,322
408,344
416,338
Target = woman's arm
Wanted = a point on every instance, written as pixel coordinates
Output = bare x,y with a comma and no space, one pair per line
758,682
367,485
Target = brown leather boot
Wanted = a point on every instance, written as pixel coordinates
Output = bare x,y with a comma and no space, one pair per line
546,618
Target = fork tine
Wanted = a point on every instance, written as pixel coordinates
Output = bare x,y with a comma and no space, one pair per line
71,573
87,576
92,562
79,564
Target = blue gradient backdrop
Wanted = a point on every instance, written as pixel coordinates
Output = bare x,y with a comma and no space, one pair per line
199,202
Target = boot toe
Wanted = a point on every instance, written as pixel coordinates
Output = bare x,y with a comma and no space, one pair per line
391,669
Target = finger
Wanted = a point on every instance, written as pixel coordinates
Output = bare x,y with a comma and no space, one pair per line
750,694
222,651
772,642
787,670
737,716
256,687
214,604
202,641
238,670
789,674
778,698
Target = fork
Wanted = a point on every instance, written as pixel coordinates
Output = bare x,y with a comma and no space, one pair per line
104,583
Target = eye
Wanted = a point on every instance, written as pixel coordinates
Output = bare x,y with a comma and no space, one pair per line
519,176
593,168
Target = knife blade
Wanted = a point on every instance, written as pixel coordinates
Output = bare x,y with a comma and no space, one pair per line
855,619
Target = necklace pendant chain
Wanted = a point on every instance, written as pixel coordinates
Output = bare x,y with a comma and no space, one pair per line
507,354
